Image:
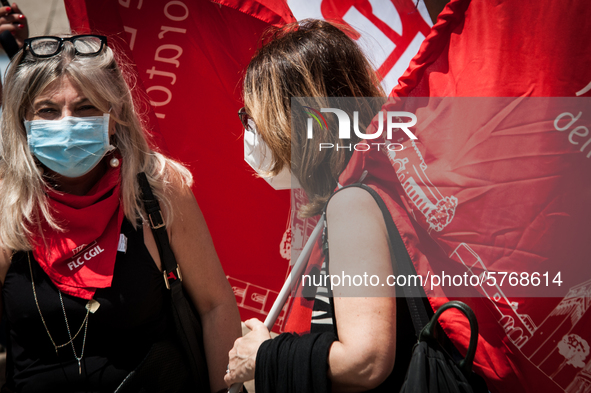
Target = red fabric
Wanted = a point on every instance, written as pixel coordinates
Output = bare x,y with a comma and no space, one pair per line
195,98
273,12
411,22
502,49
300,312
82,258
531,206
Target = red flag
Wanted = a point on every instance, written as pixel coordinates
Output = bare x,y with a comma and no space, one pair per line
389,32
511,196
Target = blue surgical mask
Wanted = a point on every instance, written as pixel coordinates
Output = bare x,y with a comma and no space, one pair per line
72,146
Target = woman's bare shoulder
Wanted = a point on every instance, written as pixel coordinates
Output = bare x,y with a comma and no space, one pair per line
354,205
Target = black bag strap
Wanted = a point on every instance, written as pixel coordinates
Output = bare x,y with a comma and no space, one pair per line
400,258
428,333
186,319
170,268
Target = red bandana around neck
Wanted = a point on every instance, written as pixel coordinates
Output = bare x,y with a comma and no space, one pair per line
82,258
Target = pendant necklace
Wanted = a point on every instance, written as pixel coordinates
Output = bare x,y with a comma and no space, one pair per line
91,307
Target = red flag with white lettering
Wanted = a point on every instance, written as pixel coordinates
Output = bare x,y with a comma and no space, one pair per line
499,187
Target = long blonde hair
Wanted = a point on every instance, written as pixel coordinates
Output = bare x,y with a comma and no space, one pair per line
23,203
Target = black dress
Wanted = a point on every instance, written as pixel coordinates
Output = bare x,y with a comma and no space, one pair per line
130,318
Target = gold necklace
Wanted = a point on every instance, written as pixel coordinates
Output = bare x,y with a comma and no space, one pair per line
91,306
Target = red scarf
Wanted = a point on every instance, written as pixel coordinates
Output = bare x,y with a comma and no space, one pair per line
82,258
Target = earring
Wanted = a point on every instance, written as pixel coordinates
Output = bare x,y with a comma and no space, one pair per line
114,162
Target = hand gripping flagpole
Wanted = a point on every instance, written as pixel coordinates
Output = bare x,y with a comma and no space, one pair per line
296,272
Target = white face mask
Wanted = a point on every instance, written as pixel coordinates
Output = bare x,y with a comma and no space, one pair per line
258,155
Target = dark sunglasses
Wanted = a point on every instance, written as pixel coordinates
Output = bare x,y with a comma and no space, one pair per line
48,46
246,120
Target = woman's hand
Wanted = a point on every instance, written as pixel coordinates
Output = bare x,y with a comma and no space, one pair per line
14,22
244,353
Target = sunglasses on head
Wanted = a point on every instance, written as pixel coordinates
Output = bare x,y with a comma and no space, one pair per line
48,46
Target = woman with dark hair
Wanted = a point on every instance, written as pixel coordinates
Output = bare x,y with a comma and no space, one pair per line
369,347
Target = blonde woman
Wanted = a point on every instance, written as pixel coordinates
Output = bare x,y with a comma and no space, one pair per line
82,284
369,347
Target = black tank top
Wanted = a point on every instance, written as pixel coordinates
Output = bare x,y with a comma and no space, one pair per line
130,318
